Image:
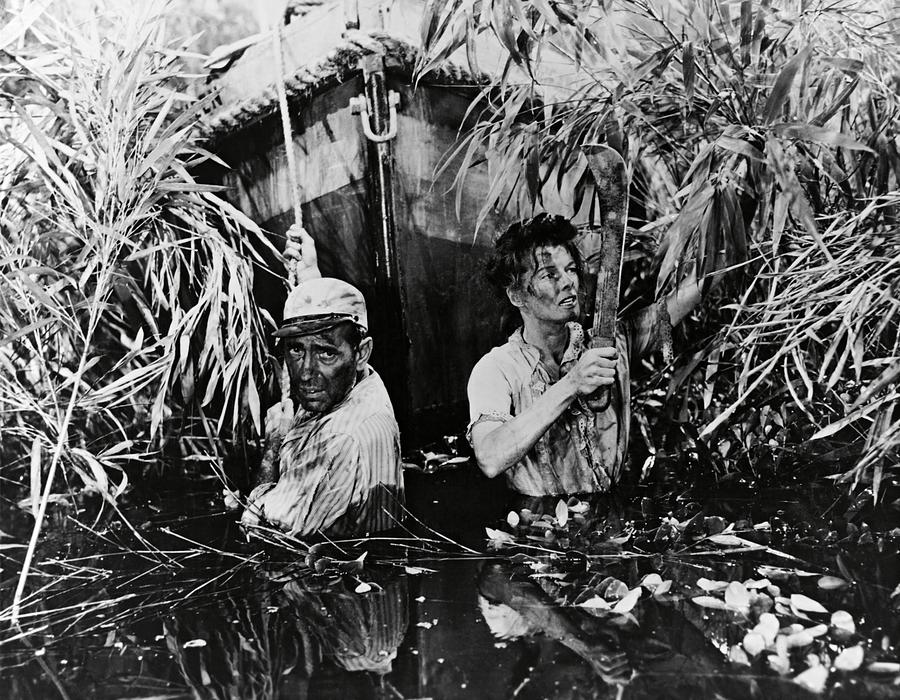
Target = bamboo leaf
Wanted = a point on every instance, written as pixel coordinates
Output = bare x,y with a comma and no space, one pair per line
811,132
688,70
19,25
779,95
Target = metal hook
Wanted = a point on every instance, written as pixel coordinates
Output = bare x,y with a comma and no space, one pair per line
358,106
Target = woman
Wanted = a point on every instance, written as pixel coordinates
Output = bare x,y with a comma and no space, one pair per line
529,417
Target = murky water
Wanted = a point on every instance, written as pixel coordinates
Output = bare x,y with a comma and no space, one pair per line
572,608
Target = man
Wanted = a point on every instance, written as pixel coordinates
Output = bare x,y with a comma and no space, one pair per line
527,398
333,466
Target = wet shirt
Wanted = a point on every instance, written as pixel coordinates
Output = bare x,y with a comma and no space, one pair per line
582,451
340,472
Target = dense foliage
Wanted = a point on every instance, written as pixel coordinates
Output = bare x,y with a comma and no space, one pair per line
760,137
126,305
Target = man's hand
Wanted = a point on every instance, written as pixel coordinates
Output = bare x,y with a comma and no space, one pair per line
595,368
231,499
252,515
300,251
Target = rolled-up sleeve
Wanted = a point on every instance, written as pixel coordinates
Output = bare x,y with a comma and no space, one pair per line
490,395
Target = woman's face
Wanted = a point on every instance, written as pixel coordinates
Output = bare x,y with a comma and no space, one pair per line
549,289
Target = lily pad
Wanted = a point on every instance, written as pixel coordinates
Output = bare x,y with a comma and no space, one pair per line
498,536
850,659
842,622
737,655
813,679
709,586
884,667
663,588
806,604
651,582
754,643
767,627
831,583
707,601
737,596
727,540
628,602
595,603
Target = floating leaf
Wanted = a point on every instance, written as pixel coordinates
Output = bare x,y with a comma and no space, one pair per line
817,630
513,518
831,583
884,667
580,507
850,659
754,643
843,622
738,656
562,513
780,664
708,585
594,603
194,643
767,627
776,573
628,602
416,570
498,536
755,585
727,540
424,625
806,604
707,601
651,582
363,587
737,596
663,588
799,639
813,679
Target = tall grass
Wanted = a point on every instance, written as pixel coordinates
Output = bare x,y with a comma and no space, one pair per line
760,136
126,305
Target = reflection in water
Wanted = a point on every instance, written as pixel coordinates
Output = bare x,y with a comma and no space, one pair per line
219,624
303,638
663,653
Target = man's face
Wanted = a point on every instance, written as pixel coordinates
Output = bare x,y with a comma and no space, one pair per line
549,290
323,367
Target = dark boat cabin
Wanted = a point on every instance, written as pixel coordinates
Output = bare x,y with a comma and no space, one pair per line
369,146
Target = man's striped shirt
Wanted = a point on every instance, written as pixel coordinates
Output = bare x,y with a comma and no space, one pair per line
340,471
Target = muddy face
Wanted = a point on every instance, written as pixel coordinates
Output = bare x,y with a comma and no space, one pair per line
549,289
322,367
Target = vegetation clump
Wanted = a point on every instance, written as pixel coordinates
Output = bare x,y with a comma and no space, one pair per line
762,141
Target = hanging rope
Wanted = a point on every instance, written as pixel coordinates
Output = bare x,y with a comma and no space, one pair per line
292,171
288,140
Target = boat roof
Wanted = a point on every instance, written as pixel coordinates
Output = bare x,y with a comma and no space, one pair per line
318,52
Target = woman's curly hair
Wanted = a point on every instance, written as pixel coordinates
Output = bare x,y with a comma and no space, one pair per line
515,251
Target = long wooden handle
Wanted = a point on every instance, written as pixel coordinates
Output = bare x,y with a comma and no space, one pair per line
611,185
600,398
